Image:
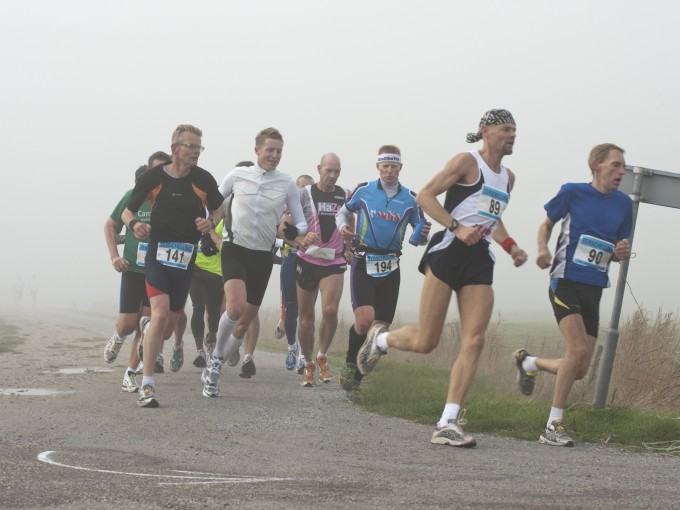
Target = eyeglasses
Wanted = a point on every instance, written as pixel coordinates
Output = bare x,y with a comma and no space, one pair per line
192,147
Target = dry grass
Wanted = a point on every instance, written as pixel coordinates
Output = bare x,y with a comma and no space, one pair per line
647,366
646,371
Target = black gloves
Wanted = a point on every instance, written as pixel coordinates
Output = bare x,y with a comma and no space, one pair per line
207,246
290,232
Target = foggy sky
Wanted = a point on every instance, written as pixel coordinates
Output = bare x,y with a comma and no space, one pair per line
91,89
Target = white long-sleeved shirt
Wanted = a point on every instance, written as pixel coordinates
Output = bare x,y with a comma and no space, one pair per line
254,202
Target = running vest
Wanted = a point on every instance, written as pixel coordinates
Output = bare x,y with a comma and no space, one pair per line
592,223
479,204
320,208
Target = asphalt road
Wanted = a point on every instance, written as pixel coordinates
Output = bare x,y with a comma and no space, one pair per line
265,443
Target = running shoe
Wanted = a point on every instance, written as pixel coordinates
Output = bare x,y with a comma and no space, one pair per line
177,359
248,368
308,377
234,358
158,366
210,377
291,358
369,354
140,345
349,386
129,383
301,364
112,349
325,374
209,343
556,435
279,333
200,359
147,397
452,434
525,379
140,368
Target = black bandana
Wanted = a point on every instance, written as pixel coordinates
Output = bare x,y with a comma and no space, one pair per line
491,118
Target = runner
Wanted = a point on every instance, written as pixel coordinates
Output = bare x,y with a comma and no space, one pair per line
256,199
459,259
384,208
596,222
133,298
180,192
289,304
207,293
320,267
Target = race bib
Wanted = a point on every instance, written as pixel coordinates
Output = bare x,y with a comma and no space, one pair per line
593,252
492,203
175,254
381,265
321,253
141,253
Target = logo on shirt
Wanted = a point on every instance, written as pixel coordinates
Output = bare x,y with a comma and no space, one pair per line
385,215
328,208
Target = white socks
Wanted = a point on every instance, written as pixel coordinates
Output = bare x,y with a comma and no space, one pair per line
450,413
555,414
147,380
529,364
381,342
119,339
225,341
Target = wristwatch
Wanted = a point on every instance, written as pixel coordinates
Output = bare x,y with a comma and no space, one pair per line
454,225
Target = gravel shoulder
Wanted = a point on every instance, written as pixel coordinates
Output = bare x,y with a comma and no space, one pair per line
265,443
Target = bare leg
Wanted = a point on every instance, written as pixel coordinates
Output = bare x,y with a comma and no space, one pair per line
475,303
434,303
331,291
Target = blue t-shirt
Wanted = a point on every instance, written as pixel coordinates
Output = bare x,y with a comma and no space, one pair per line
592,224
381,221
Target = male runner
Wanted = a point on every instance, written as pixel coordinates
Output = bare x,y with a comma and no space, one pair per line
133,298
596,222
289,302
459,259
384,208
180,192
321,266
257,197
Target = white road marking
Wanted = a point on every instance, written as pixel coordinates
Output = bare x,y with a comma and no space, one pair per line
197,477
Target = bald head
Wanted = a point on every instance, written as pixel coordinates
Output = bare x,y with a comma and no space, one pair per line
304,180
329,171
330,159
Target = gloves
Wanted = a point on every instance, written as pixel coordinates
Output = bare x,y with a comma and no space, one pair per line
207,246
290,232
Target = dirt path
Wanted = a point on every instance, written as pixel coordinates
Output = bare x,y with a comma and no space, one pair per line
266,443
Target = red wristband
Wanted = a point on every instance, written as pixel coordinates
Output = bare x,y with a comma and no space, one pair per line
508,244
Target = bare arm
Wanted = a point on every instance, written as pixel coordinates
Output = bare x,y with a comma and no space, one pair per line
500,235
111,229
460,168
140,229
544,257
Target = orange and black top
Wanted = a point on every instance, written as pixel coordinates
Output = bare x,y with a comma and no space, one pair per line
176,203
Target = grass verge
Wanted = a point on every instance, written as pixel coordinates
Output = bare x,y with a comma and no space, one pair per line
9,337
418,393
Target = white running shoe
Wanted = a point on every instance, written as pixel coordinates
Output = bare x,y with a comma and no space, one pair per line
129,383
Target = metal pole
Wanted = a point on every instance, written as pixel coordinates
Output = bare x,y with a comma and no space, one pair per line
611,340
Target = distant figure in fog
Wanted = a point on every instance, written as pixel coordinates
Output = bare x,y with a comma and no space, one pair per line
33,286
19,291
